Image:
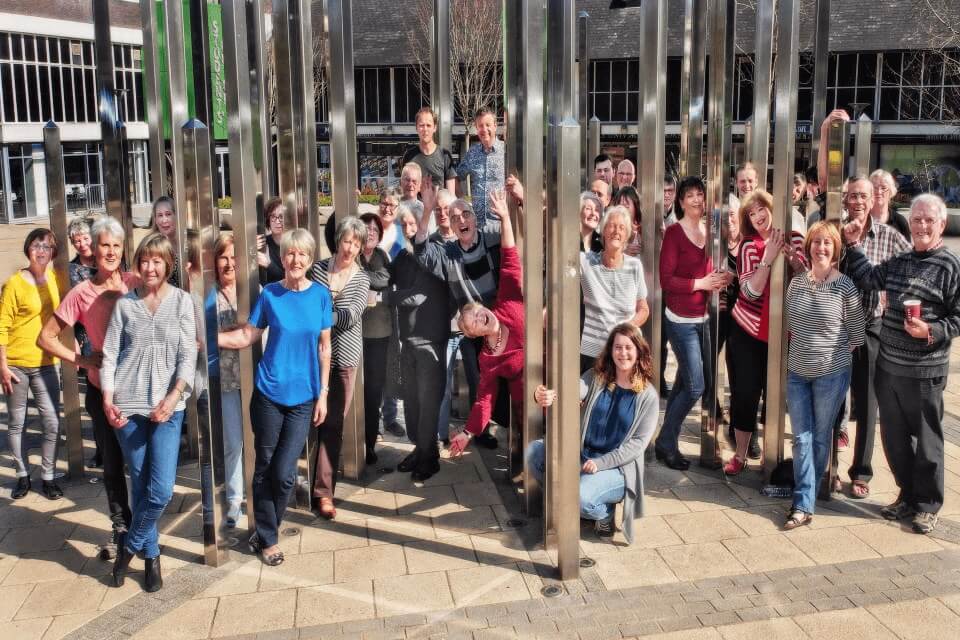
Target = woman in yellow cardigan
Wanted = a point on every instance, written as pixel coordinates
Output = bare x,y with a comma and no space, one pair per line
29,298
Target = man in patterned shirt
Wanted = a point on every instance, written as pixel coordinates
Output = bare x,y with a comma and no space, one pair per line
484,163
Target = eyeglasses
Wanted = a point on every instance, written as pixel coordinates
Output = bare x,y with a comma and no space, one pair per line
36,246
882,189
388,205
277,216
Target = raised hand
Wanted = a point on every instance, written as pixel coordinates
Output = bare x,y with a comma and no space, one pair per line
498,204
773,246
852,231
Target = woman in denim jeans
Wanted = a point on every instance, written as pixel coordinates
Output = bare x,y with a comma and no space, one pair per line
149,362
825,321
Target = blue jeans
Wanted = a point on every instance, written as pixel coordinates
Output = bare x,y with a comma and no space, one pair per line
691,345
599,492
279,433
150,450
443,424
813,404
233,446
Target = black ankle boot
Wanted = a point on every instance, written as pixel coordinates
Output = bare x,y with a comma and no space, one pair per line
153,580
121,563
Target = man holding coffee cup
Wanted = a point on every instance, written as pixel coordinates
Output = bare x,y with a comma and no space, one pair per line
922,288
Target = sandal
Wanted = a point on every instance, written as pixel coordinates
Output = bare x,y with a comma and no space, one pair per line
327,510
859,490
797,519
272,560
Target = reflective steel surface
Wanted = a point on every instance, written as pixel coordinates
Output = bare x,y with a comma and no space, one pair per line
763,59
440,98
152,99
821,58
863,146
692,76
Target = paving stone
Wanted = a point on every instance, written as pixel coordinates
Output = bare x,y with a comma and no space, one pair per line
693,608
732,603
644,628
279,634
810,582
534,629
679,624
602,633
808,594
779,586
408,620
701,595
320,631
350,626
905,582
904,594
655,613
614,617
771,599
866,599
832,604
795,609
757,613
718,618
385,634
842,590
937,590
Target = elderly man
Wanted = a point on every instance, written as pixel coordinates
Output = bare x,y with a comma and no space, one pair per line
603,168
626,174
603,191
922,317
484,164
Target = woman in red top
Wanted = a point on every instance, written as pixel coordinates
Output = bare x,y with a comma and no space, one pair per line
747,342
687,278
502,331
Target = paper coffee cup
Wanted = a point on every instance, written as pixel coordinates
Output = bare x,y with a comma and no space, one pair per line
911,309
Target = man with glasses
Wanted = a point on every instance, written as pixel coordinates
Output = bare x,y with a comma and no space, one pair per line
626,174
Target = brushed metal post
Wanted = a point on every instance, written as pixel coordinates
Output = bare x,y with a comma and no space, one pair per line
523,68
57,199
583,91
177,86
290,133
722,26
788,57
239,30
563,182
863,146
116,191
593,147
821,66
650,138
440,73
343,160
747,137
152,98
693,72
759,149
260,100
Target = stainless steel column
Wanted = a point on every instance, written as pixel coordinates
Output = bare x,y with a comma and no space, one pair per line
523,68
116,189
583,91
57,199
863,148
440,99
650,138
762,61
722,26
693,75
260,100
593,148
821,65
152,98
177,87
241,36
563,272
788,59
343,158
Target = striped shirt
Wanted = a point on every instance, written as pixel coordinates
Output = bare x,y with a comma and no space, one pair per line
145,354
825,321
752,309
348,308
609,297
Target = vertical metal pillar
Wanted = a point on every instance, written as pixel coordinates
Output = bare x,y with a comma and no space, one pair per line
650,138
788,57
523,57
693,74
114,176
563,181
722,26
177,86
862,149
240,32
747,137
593,148
583,91
56,196
440,73
153,100
343,156
259,101
821,66
759,150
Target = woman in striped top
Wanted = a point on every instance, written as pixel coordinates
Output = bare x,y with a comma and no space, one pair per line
349,285
747,341
825,321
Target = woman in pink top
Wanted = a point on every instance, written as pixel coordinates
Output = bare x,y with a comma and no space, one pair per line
91,303
687,278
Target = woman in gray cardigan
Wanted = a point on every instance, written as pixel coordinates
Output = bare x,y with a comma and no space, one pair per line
618,416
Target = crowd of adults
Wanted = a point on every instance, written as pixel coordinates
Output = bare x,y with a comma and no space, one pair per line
435,276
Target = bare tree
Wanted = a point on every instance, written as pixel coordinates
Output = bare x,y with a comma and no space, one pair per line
476,40
319,75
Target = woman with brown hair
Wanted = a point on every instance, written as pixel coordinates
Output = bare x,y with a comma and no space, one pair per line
268,244
618,416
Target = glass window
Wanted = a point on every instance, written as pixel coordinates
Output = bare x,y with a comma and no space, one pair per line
20,92
4,46
78,91
909,104
889,103
91,98
69,99
383,82
619,72
602,75
56,94
17,41
88,53
45,102
601,106
29,48
6,81
42,49
847,70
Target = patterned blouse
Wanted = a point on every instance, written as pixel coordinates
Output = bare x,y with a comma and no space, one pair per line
349,303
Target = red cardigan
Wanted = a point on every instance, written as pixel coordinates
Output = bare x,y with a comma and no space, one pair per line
682,262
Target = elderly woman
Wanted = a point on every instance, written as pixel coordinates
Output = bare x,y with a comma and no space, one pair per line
590,212
613,287
349,286
391,240
83,265
825,321
747,341
91,303
629,197
28,300
163,220
268,244
688,278
884,211
618,416
377,327
290,388
149,362
921,319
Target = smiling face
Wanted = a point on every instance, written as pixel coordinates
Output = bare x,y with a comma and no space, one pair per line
760,218
616,233
164,219
40,253
409,184
108,252
226,267
822,250
626,173
624,354
153,270
692,203
746,181
589,216
486,129
478,321
388,210
926,226
442,215
295,263
464,224
858,199
426,127
275,220
798,190
882,193
627,204
82,243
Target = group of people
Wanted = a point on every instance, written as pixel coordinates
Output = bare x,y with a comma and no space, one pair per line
435,275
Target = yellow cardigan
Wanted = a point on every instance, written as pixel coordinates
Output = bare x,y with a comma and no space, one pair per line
24,308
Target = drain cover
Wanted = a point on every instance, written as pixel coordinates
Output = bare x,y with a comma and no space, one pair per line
291,531
551,591
516,523
586,563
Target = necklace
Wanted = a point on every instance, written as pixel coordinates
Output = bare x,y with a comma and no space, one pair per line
496,347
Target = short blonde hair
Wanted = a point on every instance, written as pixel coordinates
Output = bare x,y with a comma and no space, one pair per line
824,228
155,245
299,239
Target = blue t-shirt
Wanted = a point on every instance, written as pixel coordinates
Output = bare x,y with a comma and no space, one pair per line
289,371
610,422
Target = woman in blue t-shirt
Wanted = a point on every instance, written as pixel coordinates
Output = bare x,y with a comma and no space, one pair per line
291,384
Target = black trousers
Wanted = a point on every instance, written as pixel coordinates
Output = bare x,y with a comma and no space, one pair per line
374,378
424,380
748,377
911,427
864,399
114,482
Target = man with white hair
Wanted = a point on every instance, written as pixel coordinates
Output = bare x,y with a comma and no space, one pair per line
922,287
626,174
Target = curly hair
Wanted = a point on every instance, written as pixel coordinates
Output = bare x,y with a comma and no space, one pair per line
605,369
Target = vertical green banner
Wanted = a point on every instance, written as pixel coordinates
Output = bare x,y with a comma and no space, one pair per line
217,79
